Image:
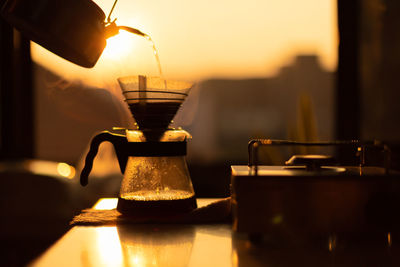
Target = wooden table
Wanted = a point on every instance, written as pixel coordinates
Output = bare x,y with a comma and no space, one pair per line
141,244
199,245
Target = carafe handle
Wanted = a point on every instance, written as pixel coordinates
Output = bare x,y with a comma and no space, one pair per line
119,141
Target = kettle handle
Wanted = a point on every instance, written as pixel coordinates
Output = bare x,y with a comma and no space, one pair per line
119,141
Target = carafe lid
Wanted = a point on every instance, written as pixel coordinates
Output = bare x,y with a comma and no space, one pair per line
170,135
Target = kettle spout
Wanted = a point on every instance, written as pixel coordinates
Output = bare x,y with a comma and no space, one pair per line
112,29
132,30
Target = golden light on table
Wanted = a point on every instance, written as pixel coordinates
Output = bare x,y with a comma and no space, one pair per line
109,246
142,244
106,204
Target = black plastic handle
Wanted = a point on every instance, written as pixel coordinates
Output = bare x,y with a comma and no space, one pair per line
119,141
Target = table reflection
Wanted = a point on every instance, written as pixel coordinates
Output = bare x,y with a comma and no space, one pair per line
335,250
156,245
109,246
213,245
143,245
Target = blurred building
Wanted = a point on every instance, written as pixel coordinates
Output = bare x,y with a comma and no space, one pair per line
297,103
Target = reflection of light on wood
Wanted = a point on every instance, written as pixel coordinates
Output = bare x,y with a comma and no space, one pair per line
119,46
389,239
332,243
235,258
106,204
155,249
219,249
109,246
163,245
137,260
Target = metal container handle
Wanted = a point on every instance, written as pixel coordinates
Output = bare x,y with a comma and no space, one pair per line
254,145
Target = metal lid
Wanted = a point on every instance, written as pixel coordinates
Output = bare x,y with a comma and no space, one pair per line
286,171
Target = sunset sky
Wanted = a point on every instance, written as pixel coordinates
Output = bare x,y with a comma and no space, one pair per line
207,39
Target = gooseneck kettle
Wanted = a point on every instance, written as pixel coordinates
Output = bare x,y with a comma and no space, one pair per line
75,30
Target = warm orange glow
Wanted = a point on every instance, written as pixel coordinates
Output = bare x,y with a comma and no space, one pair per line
50,168
119,46
109,246
138,260
206,39
106,204
143,245
66,170
332,243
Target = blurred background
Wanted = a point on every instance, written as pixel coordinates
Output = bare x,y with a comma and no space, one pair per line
257,67
301,70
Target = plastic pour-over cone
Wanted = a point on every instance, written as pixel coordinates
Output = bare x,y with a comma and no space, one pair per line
153,101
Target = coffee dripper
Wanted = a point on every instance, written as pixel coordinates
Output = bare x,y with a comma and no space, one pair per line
152,158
